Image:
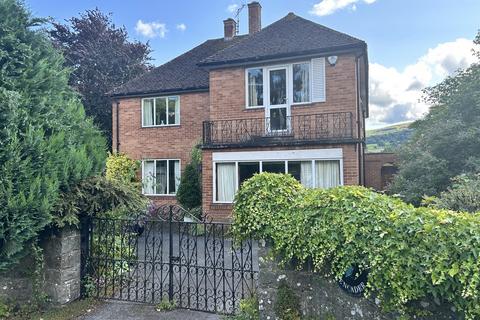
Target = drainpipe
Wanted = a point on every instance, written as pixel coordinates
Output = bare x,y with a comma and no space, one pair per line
360,119
117,120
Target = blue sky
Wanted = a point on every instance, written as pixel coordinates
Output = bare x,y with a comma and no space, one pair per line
399,34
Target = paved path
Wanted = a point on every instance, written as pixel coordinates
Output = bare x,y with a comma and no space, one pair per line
117,310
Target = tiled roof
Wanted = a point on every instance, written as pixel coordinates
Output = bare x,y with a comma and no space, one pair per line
288,37
179,74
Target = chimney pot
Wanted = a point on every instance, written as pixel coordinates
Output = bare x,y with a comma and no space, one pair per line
254,17
229,28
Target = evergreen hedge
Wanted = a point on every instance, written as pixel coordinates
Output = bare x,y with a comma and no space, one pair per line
410,253
47,145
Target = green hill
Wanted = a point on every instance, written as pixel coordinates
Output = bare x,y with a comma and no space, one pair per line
388,138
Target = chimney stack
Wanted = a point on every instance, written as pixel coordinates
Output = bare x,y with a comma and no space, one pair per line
229,28
254,17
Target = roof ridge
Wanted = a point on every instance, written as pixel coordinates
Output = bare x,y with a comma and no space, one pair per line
324,26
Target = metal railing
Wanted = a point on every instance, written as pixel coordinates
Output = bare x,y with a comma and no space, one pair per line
322,127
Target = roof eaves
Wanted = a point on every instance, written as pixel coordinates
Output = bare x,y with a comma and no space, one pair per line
283,56
159,92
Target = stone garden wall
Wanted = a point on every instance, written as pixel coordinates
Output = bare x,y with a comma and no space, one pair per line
321,298
60,278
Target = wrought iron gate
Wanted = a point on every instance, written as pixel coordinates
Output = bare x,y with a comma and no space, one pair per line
167,256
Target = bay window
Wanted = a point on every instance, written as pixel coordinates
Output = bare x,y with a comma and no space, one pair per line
229,176
161,111
160,177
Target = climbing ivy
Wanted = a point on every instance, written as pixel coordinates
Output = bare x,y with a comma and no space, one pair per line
411,253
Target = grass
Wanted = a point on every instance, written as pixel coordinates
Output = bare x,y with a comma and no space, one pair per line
70,311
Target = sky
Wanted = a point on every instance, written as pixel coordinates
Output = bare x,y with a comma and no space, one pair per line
412,44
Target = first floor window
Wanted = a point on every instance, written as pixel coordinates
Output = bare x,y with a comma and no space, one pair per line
301,82
160,177
161,111
255,87
310,173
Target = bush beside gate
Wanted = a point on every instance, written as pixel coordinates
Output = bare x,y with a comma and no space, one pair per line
411,253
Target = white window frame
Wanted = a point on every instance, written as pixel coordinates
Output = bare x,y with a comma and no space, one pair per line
266,84
247,88
155,174
154,112
334,154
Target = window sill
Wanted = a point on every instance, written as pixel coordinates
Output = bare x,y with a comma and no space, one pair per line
160,195
306,104
162,126
254,108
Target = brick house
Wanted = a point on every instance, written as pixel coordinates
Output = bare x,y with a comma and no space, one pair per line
291,97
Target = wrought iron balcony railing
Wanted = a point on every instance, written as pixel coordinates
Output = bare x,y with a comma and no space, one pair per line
311,128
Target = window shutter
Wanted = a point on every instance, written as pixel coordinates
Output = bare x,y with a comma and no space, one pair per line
318,80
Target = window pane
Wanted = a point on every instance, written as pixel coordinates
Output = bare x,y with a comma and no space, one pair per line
255,87
246,170
173,110
278,87
148,177
173,176
225,182
302,171
148,112
301,82
161,111
273,167
278,119
161,179
327,174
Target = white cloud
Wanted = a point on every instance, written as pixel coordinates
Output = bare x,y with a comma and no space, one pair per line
232,8
395,95
151,29
327,7
181,27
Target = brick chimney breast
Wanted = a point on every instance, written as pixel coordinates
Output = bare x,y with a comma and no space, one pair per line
229,28
254,17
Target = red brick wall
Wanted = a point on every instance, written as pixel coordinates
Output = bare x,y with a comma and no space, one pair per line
222,212
373,168
227,93
175,142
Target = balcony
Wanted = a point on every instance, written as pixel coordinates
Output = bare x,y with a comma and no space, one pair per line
320,128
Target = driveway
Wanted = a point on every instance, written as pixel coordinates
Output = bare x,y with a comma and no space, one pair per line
119,310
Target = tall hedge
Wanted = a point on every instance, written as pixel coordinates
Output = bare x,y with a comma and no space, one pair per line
411,253
47,145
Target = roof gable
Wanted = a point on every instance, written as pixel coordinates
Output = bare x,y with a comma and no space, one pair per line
289,36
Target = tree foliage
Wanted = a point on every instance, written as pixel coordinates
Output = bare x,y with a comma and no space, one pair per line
444,143
101,57
47,144
189,193
411,254
462,195
121,167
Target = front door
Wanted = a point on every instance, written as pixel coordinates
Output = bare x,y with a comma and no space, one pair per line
277,111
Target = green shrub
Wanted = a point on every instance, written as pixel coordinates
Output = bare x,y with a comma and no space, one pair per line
287,305
411,253
248,310
166,305
189,193
463,195
121,167
47,144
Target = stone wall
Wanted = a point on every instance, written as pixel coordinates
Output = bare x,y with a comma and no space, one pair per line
321,298
60,278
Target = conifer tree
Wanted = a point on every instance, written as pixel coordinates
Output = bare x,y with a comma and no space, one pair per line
47,144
